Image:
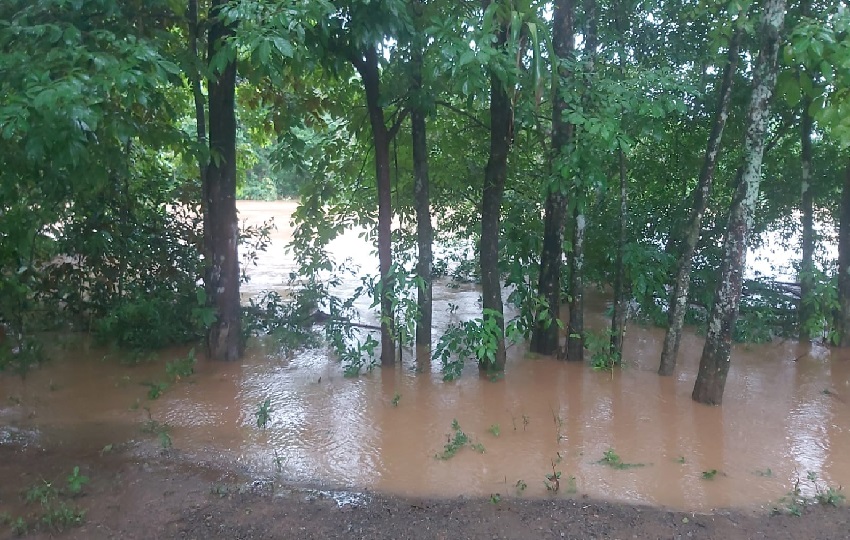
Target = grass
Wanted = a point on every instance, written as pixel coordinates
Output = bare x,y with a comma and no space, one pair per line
494,430
611,459
56,514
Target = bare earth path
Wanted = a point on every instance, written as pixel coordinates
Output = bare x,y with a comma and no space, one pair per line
167,496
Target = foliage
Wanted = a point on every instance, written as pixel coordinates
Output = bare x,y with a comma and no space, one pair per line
55,515
599,347
264,413
613,460
456,441
476,339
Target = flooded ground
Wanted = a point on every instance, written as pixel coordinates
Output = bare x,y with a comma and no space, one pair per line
785,415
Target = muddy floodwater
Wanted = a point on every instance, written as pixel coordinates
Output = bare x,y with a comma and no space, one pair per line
786,414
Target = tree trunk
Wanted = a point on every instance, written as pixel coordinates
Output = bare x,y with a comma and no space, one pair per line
495,176
201,131
225,335
679,297
367,66
807,266
714,364
422,201
575,333
842,319
544,340
621,286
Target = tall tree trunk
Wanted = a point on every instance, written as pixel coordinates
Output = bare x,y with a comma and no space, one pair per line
681,287
807,266
225,335
714,364
575,258
422,202
544,340
201,133
495,176
367,66
621,285
842,316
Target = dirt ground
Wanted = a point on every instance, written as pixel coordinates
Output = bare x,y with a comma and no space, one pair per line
169,496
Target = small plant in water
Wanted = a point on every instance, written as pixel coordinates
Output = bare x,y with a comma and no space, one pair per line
496,498
182,367
456,441
767,473
521,486
396,399
264,413
495,430
156,389
709,475
680,460
611,459
76,481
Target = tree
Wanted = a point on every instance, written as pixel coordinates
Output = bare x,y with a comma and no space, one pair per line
495,176
225,334
547,330
421,189
715,361
679,294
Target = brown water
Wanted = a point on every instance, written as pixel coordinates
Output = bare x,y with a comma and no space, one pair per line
785,409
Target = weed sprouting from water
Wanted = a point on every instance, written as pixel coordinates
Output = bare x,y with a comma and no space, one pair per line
76,481
264,413
495,498
495,430
613,460
396,399
680,460
766,473
182,367
794,502
709,475
162,431
456,441
155,389
520,486
56,515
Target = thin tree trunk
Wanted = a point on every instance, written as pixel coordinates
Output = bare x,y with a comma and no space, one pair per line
681,287
716,355
225,335
367,66
495,176
201,131
545,338
422,201
807,266
842,318
621,286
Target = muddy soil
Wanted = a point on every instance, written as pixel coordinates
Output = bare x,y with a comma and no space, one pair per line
168,496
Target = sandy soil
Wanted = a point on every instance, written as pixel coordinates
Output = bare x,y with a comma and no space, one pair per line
167,496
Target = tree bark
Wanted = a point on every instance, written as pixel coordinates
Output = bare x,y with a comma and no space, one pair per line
842,316
367,66
495,176
807,266
681,287
715,361
545,338
621,285
575,333
201,133
225,335
422,202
